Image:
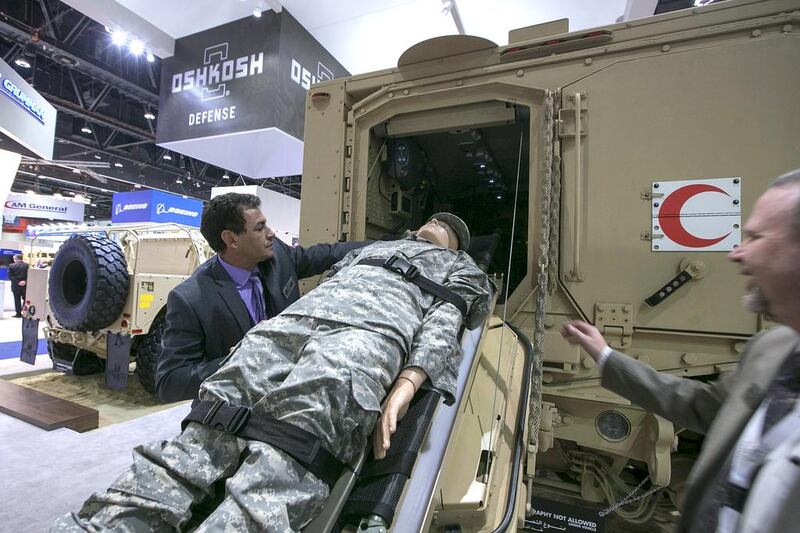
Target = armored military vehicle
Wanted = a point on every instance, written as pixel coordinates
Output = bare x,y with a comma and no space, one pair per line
616,166
106,293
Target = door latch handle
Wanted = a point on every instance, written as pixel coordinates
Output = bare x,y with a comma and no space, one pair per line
672,285
689,270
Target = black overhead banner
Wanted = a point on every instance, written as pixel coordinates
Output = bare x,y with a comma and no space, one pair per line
250,75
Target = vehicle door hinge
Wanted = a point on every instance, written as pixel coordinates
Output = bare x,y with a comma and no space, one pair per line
615,321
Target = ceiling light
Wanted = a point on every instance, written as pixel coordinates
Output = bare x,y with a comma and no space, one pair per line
136,47
86,129
57,195
225,176
30,191
150,57
257,13
93,204
119,37
26,54
118,164
178,180
76,170
167,157
499,196
97,156
91,216
149,116
137,185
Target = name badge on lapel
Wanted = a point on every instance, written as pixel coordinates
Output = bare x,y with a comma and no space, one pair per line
288,288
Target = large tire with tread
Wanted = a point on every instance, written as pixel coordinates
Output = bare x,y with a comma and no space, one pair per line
88,283
147,354
83,362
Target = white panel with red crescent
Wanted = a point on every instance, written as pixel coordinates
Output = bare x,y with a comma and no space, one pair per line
702,215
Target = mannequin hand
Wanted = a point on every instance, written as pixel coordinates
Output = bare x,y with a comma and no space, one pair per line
22,283
588,336
394,409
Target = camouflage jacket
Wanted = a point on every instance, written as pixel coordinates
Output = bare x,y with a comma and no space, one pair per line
382,301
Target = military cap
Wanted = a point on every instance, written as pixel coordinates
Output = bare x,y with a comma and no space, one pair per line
457,225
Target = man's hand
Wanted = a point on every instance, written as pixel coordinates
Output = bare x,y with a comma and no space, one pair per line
22,283
588,336
395,407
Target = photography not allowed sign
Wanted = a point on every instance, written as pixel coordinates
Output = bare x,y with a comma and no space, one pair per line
548,515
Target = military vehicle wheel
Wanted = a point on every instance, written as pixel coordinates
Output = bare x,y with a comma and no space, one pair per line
67,358
147,353
88,283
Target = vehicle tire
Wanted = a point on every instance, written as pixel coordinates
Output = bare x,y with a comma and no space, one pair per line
83,362
147,353
88,283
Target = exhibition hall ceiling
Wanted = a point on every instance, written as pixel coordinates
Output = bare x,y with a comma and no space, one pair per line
367,35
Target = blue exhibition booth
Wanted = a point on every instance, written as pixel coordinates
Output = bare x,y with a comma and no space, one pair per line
156,206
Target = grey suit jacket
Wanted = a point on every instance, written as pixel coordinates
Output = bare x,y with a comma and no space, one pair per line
720,409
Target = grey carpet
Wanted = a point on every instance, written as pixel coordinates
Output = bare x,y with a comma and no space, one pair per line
46,474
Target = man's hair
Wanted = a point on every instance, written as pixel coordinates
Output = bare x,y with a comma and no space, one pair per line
226,211
791,178
17,257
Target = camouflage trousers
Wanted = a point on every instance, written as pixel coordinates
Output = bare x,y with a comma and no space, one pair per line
323,376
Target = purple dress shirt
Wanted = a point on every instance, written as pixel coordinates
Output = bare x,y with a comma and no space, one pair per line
241,278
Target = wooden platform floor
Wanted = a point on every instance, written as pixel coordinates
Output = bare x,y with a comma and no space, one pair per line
45,411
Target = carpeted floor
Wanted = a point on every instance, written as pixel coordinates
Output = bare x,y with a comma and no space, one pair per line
47,474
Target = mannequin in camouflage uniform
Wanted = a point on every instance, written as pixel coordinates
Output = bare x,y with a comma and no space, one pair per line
325,365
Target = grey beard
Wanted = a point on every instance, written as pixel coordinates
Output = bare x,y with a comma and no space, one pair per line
755,302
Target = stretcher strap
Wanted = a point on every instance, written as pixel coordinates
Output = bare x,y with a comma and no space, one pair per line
403,267
302,446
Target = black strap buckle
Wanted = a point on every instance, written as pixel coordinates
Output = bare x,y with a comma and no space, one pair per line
226,417
402,267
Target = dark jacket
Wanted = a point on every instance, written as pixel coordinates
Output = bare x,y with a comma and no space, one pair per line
17,272
206,317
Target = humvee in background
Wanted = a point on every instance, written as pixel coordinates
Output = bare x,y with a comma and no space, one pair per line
616,165
106,291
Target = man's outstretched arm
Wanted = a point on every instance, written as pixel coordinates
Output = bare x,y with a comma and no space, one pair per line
687,403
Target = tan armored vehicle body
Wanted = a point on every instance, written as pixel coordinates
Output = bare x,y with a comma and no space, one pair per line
109,286
566,145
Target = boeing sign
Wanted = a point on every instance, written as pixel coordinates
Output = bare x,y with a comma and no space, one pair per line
156,206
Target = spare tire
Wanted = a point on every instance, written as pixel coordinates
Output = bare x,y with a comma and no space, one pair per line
88,283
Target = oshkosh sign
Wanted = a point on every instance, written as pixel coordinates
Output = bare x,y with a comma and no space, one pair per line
217,69
247,78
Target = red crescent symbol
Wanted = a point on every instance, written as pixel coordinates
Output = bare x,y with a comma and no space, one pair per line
669,216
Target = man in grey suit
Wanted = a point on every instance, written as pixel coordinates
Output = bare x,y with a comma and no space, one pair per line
747,477
254,276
